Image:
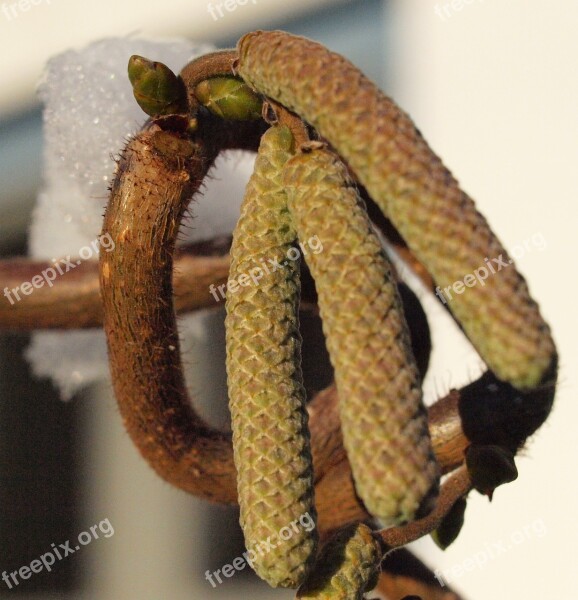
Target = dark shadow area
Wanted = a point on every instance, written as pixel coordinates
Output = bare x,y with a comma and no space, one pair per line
39,474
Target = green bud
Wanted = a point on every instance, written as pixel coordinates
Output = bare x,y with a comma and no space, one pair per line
229,98
451,525
156,88
490,466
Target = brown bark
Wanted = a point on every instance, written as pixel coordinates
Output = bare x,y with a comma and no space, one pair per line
73,301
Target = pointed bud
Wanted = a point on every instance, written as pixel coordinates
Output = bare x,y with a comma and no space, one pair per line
451,525
490,466
229,98
156,88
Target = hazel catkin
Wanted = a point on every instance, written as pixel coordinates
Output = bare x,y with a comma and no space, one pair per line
415,191
266,394
383,420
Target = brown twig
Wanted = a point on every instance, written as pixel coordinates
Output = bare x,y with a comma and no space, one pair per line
454,488
73,301
273,112
486,411
141,327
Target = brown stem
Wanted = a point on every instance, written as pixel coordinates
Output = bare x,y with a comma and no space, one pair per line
157,174
336,499
486,411
273,112
73,301
454,488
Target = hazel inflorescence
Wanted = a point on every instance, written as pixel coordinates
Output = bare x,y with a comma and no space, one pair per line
301,190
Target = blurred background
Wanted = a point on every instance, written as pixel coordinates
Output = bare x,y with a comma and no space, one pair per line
493,88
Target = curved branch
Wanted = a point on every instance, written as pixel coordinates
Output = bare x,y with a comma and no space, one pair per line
157,174
73,300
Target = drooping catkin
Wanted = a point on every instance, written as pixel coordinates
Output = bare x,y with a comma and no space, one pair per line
383,420
348,566
413,188
266,393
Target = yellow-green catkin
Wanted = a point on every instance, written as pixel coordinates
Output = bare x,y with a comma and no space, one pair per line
347,568
266,394
416,192
383,420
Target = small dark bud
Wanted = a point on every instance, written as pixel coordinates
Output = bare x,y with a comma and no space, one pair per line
490,466
451,525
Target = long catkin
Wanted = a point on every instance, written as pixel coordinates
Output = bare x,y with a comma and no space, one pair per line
266,394
413,188
383,420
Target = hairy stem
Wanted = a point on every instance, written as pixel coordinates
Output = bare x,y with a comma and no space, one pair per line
157,174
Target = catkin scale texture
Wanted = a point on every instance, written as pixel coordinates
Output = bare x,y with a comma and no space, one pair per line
414,190
266,395
383,420
348,566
